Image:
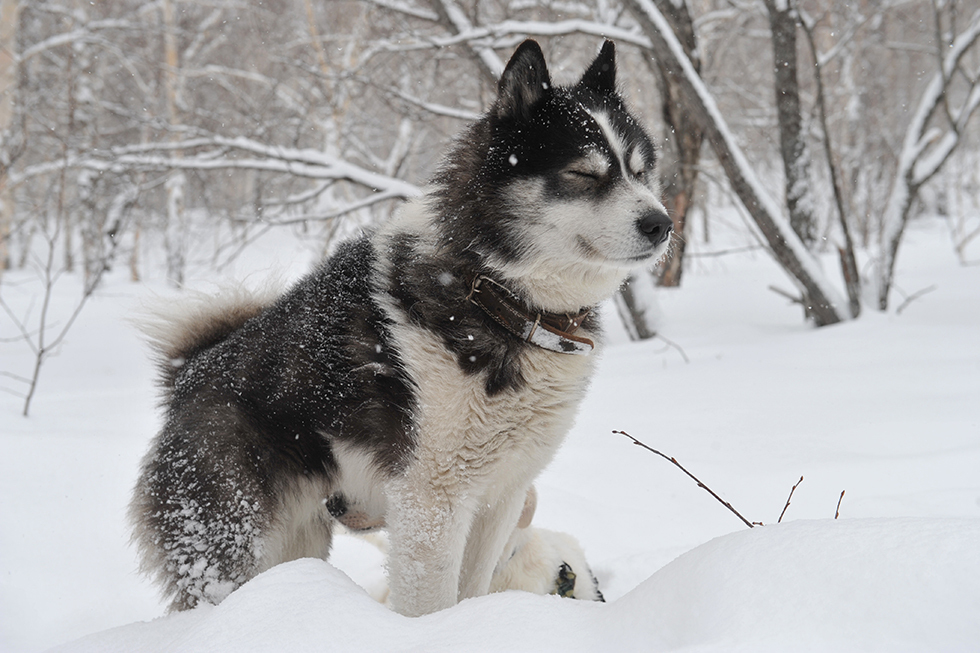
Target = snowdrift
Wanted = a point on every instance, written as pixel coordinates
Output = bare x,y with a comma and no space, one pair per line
862,584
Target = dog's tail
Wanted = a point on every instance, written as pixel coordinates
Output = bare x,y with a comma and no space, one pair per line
180,329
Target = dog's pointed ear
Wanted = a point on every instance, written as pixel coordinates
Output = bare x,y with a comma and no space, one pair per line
524,83
601,75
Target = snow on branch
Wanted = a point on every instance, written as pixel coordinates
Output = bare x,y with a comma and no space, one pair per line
300,162
429,107
453,18
406,8
918,138
86,33
503,34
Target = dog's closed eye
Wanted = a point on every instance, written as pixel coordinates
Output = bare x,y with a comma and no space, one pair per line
583,175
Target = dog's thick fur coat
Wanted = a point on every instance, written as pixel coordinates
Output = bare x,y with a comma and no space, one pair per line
375,392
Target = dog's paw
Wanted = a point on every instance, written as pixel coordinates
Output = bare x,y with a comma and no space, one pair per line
545,562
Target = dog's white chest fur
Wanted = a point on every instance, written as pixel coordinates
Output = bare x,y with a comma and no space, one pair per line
464,434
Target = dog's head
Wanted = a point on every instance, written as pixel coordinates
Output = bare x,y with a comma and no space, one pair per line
565,181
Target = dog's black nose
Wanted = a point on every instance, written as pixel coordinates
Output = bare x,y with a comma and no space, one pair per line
656,226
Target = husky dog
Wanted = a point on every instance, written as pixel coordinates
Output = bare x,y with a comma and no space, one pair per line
422,376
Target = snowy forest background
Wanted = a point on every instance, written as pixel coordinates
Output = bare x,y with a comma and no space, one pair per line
150,134
820,158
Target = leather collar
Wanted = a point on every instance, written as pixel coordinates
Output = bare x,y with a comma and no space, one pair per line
551,331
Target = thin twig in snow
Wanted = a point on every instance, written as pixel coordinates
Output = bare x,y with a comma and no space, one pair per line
671,343
914,296
778,521
695,478
15,377
793,298
837,514
724,252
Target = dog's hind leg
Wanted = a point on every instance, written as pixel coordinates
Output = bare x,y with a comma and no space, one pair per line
301,526
214,506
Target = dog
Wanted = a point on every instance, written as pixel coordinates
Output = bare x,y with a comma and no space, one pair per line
420,377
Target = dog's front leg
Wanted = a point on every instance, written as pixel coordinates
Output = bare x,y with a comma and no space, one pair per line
427,527
492,527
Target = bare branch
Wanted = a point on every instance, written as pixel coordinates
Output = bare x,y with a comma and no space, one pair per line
725,252
453,18
326,217
309,163
692,476
914,296
788,499
793,298
21,326
15,377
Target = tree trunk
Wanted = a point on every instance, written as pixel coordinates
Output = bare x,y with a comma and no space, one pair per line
792,144
848,260
679,168
175,236
634,310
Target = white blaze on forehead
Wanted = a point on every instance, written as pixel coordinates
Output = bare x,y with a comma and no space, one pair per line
636,162
616,145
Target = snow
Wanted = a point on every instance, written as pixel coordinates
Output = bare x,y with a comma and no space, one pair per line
759,590
884,407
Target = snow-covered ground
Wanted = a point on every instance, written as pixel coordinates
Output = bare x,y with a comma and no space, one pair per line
886,408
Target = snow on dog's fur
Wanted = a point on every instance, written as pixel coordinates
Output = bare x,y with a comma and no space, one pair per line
423,375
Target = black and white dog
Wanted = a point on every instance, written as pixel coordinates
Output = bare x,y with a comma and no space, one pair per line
422,376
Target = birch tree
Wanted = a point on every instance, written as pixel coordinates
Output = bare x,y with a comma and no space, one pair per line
10,142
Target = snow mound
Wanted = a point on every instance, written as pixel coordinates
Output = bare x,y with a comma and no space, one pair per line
848,585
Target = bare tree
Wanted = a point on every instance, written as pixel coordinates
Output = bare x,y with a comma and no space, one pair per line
934,133
819,298
40,333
